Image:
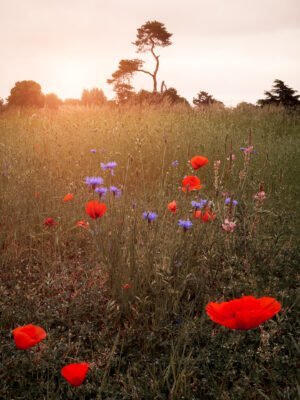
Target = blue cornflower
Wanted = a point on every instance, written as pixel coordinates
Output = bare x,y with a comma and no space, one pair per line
185,224
199,204
228,200
115,191
149,216
109,166
101,191
175,163
93,151
93,181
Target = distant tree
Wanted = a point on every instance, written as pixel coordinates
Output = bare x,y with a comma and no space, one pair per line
149,36
72,102
169,96
124,92
1,104
93,97
173,97
205,99
52,101
244,105
280,94
26,93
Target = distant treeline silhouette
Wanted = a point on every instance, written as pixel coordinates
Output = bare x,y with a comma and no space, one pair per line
29,94
151,35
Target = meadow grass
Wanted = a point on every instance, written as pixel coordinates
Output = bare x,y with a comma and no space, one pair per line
153,340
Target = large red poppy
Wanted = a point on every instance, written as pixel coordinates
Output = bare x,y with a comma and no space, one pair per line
28,336
75,374
190,183
95,209
198,162
244,313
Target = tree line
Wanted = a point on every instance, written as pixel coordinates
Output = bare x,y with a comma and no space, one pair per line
150,37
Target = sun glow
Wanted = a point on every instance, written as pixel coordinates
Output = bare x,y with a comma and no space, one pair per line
71,78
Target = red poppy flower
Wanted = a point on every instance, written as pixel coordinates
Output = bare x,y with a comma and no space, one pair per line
190,183
28,336
172,206
244,313
198,162
68,197
127,286
49,222
75,374
207,216
82,224
95,209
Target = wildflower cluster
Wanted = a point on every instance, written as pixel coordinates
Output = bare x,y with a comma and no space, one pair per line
243,313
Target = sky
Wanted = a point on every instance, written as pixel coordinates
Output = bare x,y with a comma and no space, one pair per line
233,49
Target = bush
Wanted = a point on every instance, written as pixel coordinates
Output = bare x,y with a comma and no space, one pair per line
26,94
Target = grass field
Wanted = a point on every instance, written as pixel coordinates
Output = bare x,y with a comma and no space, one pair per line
152,340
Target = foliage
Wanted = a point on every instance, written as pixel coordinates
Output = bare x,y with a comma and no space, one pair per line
93,97
151,339
124,92
280,95
2,106
125,70
72,102
205,99
152,34
244,106
26,93
168,97
52,101
173,97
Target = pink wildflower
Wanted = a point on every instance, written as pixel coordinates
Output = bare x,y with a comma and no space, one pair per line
260,196
228,226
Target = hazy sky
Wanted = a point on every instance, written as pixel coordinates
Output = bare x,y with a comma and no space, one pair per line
233,49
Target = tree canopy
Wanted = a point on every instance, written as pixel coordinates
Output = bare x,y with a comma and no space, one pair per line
93,97
52,101
205,99
26,93
280,94
152,34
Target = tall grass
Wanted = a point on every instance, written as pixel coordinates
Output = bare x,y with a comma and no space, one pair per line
152,341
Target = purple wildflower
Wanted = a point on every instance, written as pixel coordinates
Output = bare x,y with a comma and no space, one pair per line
109,166
101,191
93,181
93,151
248,150
175,163
228,200
115,191
185,224
149,216
199,204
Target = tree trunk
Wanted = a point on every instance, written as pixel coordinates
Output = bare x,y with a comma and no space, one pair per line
156,69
